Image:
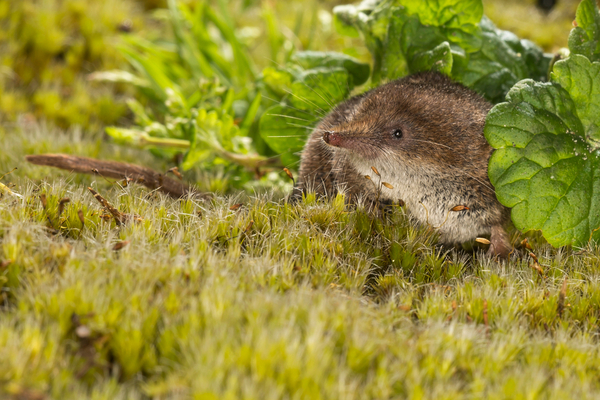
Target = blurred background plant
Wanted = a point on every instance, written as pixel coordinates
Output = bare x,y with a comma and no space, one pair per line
46,49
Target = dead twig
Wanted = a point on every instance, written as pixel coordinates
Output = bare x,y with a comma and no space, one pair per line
118,170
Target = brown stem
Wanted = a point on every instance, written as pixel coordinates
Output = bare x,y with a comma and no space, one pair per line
117,170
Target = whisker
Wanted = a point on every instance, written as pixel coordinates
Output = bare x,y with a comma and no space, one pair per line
317,108
289,116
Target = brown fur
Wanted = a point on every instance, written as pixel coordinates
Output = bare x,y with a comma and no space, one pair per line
439,162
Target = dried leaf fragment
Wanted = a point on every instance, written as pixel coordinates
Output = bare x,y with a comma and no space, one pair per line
119,245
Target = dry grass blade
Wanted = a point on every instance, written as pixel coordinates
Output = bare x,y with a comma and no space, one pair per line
8,173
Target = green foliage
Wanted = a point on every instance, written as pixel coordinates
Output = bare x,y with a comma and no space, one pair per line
547,136
585,37
196,92
307,88
46,50
452,37
205,96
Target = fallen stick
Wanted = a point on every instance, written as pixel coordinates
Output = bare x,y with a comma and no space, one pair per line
118,170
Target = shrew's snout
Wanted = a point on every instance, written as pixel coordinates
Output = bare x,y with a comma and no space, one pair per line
332,138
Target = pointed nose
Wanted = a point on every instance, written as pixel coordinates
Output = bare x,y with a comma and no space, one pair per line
332,138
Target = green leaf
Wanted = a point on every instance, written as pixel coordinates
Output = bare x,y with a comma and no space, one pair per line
458,19
581,79
317,59
343,21
459,14
278,81
543,167
319,90
286,129
394,62
584,39
251,114
501,62
438,59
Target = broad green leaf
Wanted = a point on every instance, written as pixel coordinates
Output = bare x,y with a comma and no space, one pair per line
584,39
286,129
501,62
458,19
438,59
543,167
417,35
394,62
460,14
278,81
319,59
344,18
319,90
581,79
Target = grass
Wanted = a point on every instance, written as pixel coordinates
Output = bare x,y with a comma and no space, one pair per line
270,300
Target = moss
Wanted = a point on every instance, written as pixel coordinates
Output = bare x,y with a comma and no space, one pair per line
271,300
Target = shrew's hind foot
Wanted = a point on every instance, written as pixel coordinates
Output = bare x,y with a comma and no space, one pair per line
499,244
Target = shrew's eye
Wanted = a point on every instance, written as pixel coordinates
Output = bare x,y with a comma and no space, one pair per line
397,133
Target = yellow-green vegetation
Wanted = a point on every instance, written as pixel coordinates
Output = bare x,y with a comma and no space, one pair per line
248,296
48,47
270,300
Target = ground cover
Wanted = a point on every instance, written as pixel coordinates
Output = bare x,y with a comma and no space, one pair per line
246,296
268,300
